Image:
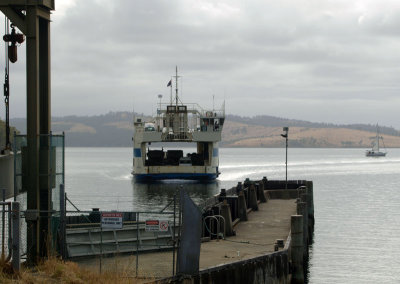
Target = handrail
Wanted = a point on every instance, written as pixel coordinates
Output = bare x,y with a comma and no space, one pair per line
215,217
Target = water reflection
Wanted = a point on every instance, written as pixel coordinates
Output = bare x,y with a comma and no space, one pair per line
156,195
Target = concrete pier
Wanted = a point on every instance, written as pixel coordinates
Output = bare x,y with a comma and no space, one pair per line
255,253
254,239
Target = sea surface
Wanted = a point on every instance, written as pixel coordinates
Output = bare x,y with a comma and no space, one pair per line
356,200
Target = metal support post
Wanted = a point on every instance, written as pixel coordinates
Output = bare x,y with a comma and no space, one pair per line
33,199
62,222
15,166
286,163
16,235
173,238
286,129
137,243
180,208
7,103
101,245
33,19
3,226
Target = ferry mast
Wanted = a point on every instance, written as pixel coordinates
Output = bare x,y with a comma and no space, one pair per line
176,86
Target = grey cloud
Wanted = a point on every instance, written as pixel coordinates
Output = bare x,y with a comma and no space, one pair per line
281,58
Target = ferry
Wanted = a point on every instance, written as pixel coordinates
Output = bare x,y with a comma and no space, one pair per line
160,144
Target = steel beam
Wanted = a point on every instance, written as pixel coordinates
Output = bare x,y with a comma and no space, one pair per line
15,16
35,24
45,139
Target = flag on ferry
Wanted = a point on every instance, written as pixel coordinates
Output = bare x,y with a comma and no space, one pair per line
169,83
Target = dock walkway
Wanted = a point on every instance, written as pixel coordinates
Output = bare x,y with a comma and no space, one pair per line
253,238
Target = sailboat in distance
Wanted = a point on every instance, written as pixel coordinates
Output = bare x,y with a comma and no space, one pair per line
375,151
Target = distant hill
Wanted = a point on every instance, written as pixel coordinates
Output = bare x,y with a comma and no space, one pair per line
271,121
115,129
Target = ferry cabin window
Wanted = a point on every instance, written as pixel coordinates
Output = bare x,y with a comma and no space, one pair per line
149,128
182,108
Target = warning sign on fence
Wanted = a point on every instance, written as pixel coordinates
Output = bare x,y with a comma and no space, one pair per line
156,225
111,220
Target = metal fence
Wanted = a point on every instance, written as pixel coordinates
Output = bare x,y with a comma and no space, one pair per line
121,241
5,231
103,240
56,176
10,233
57,165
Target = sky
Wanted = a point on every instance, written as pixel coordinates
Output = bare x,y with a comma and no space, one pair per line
332,61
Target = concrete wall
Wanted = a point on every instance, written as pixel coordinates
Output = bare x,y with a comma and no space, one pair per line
7,175
270,268
282,194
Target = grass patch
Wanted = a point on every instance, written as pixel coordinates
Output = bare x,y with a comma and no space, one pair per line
57,271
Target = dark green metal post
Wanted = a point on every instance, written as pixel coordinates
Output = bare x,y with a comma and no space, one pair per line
33,19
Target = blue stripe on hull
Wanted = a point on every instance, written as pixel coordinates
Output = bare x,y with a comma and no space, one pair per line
189,176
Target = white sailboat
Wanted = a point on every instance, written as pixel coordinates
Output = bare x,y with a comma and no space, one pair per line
375,151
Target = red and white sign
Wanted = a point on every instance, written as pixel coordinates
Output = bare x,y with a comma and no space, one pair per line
156,225
164,226
111,220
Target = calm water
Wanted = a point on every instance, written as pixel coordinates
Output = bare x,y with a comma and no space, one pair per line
357,200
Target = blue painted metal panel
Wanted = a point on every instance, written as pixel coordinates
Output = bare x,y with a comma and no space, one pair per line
137,152
190,176
189,250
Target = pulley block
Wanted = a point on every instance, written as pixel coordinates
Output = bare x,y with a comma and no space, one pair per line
13,38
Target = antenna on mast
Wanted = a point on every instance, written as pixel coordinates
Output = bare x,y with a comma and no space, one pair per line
176,85
213,103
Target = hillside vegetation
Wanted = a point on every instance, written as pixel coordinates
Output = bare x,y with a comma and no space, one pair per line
115,130
243,135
